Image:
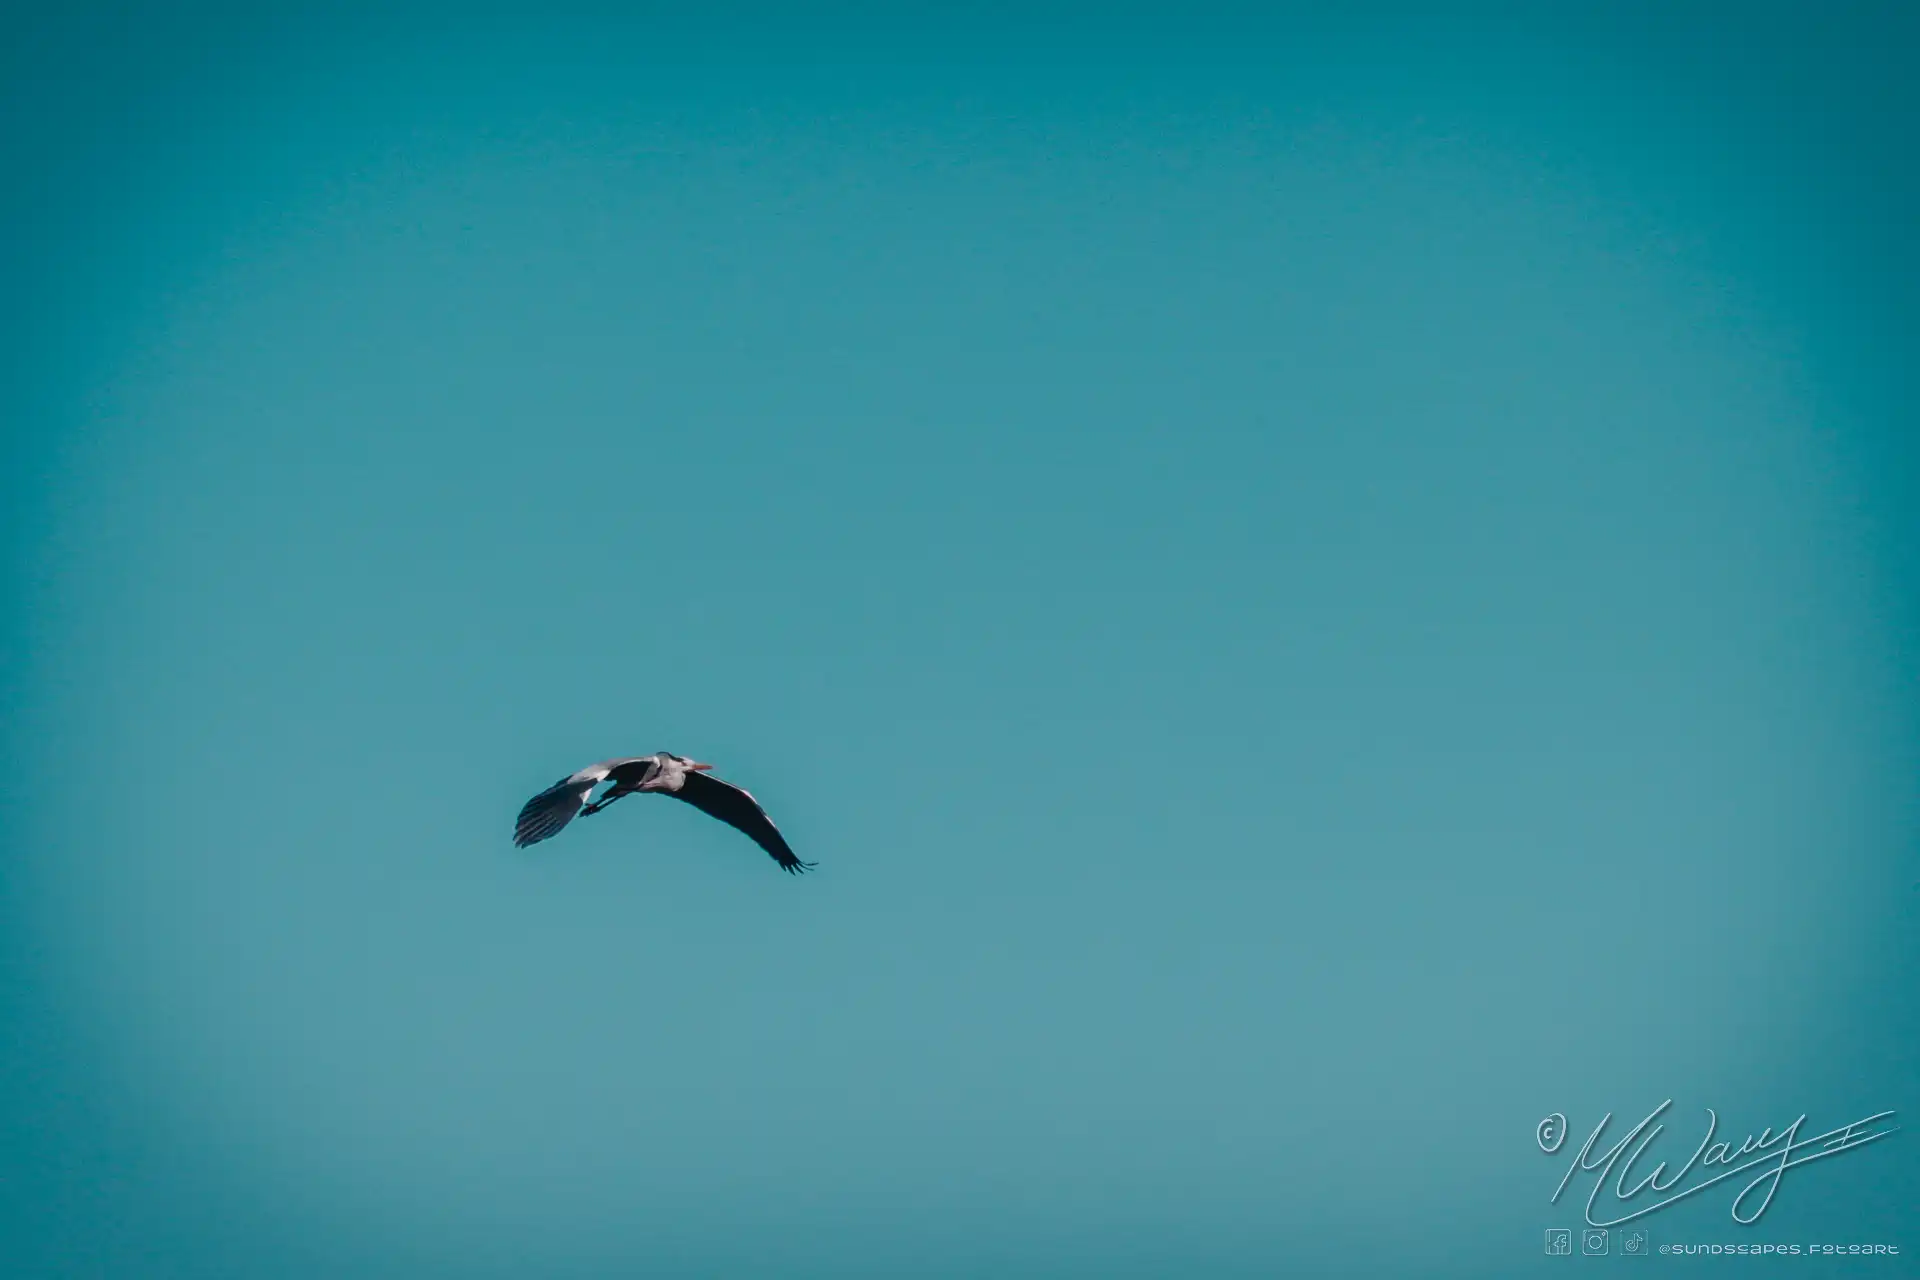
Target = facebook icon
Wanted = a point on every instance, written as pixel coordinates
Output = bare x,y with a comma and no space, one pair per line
1559,1241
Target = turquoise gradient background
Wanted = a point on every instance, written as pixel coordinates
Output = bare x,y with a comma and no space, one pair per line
1320,590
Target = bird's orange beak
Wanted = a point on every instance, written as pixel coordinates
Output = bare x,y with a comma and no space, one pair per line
696,765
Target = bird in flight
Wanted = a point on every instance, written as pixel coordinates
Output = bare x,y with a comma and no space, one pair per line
662,772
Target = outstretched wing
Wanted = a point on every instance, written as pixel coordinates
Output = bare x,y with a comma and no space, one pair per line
542,817
736,808
552,809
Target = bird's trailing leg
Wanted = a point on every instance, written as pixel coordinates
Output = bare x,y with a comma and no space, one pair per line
605,800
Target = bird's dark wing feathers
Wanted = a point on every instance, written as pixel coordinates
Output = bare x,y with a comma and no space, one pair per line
736,808
552,809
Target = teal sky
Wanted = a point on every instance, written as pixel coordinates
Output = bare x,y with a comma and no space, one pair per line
1319,592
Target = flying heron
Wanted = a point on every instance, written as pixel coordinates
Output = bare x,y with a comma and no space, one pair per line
662,772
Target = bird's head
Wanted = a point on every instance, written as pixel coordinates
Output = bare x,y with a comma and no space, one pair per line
692,766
